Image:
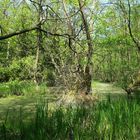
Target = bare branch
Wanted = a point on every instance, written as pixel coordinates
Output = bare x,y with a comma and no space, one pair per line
17,33
128,18
129,27
34,3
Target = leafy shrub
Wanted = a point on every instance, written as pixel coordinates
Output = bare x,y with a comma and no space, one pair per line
22,69
4,74
15,88
49,77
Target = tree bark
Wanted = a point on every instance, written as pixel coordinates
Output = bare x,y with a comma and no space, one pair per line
39,42
131,87
89,65
17,33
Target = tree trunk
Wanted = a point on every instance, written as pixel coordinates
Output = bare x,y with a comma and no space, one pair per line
39,43
89,65
136,83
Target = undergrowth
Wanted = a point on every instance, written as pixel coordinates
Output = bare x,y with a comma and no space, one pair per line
20,88
107,120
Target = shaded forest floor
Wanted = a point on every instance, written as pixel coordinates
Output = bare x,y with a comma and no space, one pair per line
12,104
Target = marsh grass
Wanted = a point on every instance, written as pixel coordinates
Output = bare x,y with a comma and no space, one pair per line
20,88
107,120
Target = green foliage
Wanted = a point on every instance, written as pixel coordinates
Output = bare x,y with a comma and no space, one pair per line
72,2
18,70
4,74
15,87
116,57
22,69
48,75
18,88
111,119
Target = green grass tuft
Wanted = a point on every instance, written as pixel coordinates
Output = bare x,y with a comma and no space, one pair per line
110,119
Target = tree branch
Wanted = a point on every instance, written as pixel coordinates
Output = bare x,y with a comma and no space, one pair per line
129,27
17,33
